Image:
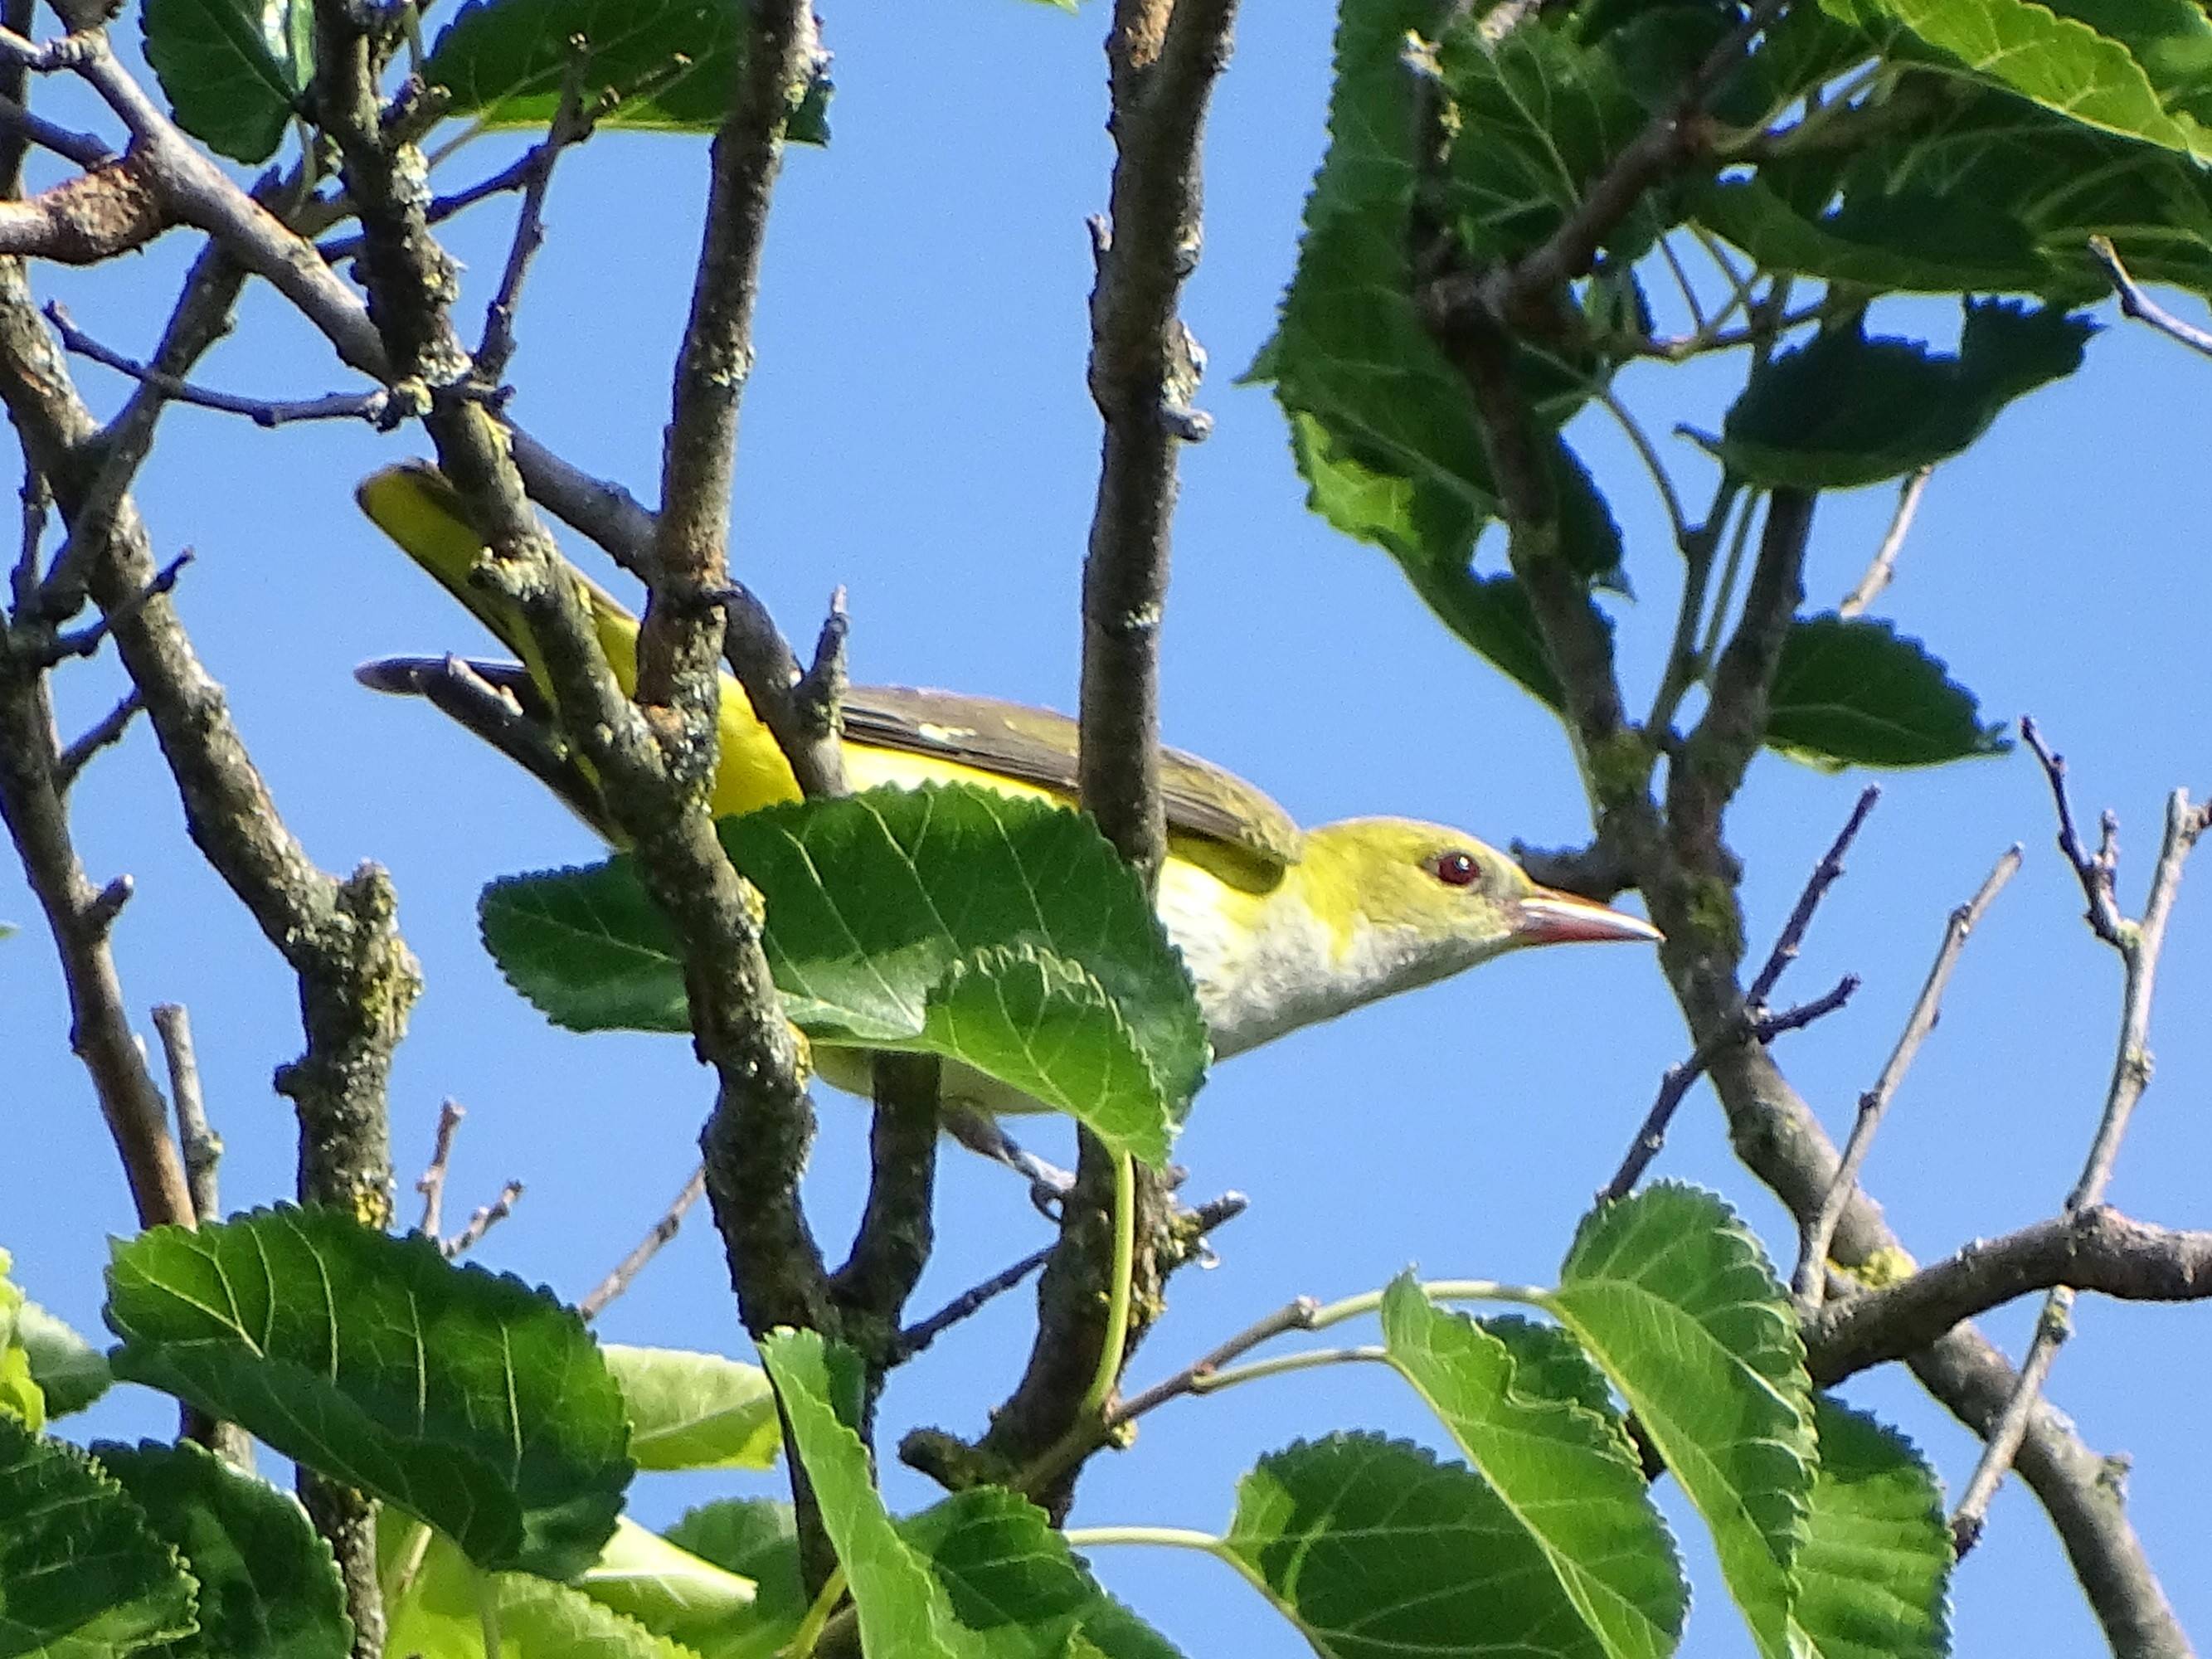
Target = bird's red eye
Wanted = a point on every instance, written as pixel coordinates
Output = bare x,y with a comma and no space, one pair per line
1456,869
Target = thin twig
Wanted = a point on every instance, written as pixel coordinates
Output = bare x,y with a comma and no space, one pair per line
201,1145
432,1182
108,729
84,642
2093,871
1651,1134
1824,876
657,1237
1883,566
1753,1023
923,1332
487,1216
2135,303
87,150
571,124
370,406
2139,945
1811,1279
23,581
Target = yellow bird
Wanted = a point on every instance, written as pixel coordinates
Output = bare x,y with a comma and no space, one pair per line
1280,926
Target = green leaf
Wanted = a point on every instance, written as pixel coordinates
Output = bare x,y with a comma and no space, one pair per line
234,69
81,1574
2060,63
1014,1582
1001,932
1903,241
695,1411
1577,1541
1376,1549
1855,691
1874,1567
1952,189
1844,410
758,1539
667,1588
19,1393
1540,117
663,65
1676,1302
469,1400
439,1616
1384,428
70,1371
268,1586
902,1609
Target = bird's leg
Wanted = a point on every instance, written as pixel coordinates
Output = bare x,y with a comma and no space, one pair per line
980,1131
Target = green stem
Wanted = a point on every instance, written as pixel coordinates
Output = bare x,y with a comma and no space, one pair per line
1181,1538
1436,1290
1649,454
1174,1538
1725,602
802,1639
1116,1337
407,1563
487,1590
1306,1360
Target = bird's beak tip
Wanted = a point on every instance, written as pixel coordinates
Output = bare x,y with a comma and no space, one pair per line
1553,918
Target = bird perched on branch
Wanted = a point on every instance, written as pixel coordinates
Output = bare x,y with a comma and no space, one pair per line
1281,928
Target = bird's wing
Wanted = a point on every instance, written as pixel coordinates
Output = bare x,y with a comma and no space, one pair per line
1038,746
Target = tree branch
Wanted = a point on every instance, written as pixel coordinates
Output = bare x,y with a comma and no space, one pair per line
2095,1248
2139,943
1163,57
36,812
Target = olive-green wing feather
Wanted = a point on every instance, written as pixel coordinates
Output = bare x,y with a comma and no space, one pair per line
1034,745
1038,746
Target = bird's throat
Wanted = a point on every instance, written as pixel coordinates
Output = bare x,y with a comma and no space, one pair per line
1267,963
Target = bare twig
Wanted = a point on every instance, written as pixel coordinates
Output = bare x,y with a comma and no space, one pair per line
2093,871
1811,1279
1651,1134
370,406
85,148
108,729
1752,1023
84,642
431,1183
2135,303
487,1216
657,1237
2139,943
1824,876
1883,566
923,1332
571,124
202,1146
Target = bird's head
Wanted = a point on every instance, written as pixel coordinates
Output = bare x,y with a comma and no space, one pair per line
1369,907
1439,900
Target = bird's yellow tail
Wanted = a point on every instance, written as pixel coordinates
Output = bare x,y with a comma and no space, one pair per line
413,505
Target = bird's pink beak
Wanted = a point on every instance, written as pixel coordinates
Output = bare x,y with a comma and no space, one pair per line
1547,917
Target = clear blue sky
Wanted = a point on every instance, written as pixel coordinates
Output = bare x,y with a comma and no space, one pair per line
918,430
